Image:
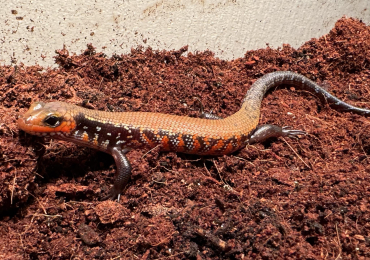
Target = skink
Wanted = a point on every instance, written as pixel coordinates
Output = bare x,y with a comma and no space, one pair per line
118,132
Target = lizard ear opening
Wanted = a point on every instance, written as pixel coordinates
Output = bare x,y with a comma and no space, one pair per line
52,120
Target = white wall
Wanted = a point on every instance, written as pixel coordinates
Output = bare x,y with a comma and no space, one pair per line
35,29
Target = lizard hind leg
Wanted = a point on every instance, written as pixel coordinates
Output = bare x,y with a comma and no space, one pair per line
264,132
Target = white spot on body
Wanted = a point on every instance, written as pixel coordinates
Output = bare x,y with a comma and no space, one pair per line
109,134
98,128
105,144
85,127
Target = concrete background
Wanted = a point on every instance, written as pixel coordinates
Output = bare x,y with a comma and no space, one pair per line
31,31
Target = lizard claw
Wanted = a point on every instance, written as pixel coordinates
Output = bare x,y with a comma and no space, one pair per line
288,131
112,194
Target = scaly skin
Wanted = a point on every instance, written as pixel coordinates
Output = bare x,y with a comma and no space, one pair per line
116,133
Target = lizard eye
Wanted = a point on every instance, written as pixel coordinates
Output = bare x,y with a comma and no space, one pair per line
52,121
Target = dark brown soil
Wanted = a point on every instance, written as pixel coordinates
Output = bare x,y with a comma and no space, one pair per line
305,198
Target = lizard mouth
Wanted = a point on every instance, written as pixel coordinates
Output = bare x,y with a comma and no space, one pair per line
27,125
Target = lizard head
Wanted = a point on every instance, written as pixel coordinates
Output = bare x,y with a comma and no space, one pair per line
45,119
